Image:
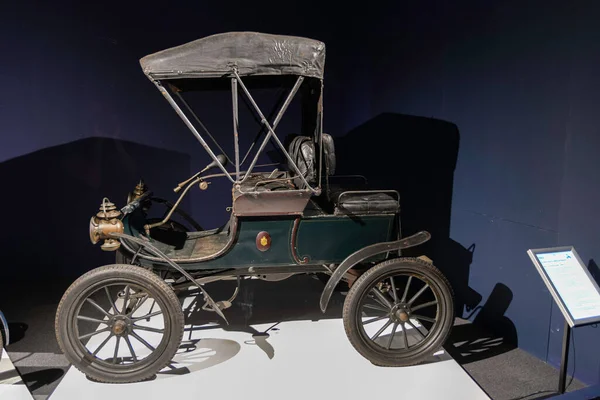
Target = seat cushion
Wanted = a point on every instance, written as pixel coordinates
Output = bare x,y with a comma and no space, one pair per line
365,202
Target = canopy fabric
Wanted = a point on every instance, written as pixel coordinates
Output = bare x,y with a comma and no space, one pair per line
252,53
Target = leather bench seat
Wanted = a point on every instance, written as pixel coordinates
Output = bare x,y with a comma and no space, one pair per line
364,202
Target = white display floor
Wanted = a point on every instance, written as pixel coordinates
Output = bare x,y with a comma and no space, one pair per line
11,384
301,359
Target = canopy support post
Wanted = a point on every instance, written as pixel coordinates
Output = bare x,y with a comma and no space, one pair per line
191,127
320,134
236,122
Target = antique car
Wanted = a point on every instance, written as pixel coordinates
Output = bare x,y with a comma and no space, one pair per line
297,217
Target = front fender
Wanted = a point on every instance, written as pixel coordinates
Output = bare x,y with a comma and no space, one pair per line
364,253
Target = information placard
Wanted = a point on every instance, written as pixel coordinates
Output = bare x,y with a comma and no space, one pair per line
570,283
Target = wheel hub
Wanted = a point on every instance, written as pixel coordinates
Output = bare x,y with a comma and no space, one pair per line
400,313
120,326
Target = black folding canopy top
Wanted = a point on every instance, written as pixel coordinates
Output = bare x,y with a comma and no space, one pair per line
252,53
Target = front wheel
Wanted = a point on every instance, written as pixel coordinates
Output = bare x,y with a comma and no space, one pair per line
399,312
119,324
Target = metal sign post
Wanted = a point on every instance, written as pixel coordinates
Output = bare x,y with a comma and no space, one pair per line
573,289
564,359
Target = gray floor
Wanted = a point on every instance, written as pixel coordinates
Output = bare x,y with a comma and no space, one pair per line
504,372
501,370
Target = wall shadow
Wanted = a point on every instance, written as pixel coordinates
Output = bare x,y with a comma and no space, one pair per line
415,156
50,196
594,270
40,378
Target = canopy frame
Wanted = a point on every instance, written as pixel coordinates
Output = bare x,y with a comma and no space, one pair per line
236,81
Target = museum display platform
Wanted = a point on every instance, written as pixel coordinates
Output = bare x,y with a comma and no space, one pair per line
488,359
297,359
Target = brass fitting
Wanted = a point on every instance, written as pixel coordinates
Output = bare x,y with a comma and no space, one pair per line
105,222
139,190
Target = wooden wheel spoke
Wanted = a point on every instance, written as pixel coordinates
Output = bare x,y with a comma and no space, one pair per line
138,305
406,289
87,335
430,303
420,292
424,318
101,345
148,328
98,321
395,295
125,300
92,302
155,313
375,319
376,300
142,341
110,300
383,328
389,344
114,360
130,348
385,302
404,337
415,328
374,307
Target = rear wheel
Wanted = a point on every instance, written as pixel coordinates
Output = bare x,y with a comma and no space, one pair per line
399,312
119,323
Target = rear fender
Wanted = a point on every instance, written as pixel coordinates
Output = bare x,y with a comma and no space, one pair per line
368,252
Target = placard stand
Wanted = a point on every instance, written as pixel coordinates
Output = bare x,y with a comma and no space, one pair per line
573,289
562,380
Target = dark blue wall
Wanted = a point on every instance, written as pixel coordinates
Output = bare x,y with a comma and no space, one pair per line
518,80
70,70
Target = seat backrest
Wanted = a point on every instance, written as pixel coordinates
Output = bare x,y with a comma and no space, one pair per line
302,152
328,154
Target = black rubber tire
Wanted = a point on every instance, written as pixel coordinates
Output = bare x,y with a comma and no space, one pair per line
439,334
115,273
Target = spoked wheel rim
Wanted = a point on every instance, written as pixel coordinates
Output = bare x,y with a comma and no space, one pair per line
400,313
114,333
